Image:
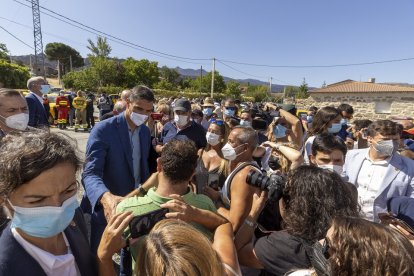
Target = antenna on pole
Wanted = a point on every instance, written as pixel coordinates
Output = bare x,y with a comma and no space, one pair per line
39,59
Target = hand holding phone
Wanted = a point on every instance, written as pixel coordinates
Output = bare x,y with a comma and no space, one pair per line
141,225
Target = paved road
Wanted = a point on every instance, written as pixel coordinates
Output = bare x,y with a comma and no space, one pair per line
80,137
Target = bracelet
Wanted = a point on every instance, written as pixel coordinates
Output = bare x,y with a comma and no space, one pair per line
250,223
142,191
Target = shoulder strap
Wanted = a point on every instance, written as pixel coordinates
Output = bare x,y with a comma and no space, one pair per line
239,167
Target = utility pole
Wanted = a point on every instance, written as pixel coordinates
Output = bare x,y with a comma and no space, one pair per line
70,62
39,62
212,77
270,85
58,65
201,80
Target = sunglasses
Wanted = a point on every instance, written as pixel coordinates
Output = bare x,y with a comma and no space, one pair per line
217,122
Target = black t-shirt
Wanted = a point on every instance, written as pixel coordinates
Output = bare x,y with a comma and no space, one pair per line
194,132
281,252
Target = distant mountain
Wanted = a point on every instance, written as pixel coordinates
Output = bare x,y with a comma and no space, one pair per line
192,73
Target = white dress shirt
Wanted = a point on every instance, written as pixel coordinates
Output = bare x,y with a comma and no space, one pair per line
369,181
61,265
38,97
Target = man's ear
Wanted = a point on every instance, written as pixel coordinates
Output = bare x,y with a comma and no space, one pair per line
159,167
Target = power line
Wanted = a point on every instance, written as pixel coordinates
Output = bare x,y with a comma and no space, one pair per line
319,66
117,38
16,37
237,70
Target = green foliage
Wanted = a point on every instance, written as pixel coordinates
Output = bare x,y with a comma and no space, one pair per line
205,83
141,72
303,90
165,85
13,75
291,91
101,48
170,78
63,53
4,52
233,89
84,79
258,92
104,70
110,90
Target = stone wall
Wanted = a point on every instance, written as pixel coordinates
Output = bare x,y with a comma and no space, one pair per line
402,104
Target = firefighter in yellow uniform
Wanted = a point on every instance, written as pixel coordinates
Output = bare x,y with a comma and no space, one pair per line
79,103
62,106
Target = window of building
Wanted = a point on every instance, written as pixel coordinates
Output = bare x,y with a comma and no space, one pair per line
383,107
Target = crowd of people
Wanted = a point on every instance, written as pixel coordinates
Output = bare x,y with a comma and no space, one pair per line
180,186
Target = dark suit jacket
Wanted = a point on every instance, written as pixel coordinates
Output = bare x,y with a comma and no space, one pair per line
37,113
15,261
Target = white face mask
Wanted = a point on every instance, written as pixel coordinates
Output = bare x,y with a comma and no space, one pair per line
45,88
180,120
332,168
17,121
138,119
212,138
245,123
229,152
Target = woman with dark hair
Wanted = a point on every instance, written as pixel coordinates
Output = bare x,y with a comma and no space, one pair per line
47,234
326,120
212,168
311,198
360,247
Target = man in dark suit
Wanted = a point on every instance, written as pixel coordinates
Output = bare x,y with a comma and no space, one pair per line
37,113
117,155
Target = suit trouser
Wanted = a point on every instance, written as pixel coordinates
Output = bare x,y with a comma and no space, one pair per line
71,115
80,115
90,120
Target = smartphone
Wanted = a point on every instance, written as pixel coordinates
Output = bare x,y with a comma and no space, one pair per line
259,124
156,116
213,181
275,114
141,225
388,218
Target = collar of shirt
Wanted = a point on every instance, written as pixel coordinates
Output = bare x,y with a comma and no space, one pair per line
381,162
51,264
190,123
38,97
157,199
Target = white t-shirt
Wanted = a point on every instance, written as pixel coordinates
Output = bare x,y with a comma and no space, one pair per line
308,149
61,265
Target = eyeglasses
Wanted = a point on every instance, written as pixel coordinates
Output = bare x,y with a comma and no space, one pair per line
325,248
217,122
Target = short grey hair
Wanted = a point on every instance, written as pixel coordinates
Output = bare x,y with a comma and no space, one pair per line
33,80
141,92
125,94
247,135
120,106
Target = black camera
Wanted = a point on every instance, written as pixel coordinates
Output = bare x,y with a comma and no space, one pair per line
274,184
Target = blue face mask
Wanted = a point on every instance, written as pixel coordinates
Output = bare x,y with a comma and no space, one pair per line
45,88
279,131
245,123
44,222
208,111
344,121
335,128
309,119
229,112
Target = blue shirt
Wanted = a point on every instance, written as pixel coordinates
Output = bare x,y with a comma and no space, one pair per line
194,132
136,154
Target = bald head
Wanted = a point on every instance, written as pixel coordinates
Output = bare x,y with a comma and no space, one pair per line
245,135
119,107
125,95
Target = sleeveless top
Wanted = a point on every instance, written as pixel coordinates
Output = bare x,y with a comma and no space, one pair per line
204,177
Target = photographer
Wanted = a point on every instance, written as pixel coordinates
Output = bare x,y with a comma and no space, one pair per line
307,219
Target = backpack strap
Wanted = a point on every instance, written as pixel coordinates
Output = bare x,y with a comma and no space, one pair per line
239,167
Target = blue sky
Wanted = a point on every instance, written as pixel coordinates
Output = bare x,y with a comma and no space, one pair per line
290,32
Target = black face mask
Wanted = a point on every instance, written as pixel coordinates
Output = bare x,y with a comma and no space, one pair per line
274,163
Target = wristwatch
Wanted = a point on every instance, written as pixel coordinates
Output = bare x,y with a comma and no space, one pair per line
142,191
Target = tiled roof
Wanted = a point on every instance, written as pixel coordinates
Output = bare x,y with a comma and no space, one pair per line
350,86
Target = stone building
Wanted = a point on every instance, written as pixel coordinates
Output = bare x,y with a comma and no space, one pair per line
370,100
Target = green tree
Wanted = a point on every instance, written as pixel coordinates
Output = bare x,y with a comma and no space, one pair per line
258,92
63,53
141,72
290,91
170,75
13,75
104,70
101,48
303,90
233,89
205,84
4,52
323,84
